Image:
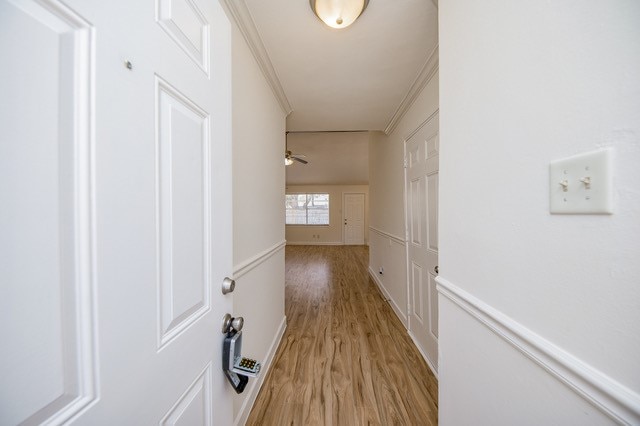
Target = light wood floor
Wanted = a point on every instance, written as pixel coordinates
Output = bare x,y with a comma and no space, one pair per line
345,358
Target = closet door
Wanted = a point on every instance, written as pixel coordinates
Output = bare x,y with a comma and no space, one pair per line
422,151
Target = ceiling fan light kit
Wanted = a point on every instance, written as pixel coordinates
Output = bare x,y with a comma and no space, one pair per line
289,158
338,13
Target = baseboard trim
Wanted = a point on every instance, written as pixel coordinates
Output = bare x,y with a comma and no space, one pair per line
392,237
433,369
245,410
613,399
385,293
314,243
251,263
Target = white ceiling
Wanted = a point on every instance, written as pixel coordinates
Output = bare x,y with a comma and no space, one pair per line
351,79
334,158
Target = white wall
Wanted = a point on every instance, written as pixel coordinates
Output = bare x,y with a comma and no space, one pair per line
258,209
387,266
386,186
331,234
522,84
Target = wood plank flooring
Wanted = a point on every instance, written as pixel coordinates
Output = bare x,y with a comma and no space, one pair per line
345,358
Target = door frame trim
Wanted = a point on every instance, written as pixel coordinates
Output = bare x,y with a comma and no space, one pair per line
344,216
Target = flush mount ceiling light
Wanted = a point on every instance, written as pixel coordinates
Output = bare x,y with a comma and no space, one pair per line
338,13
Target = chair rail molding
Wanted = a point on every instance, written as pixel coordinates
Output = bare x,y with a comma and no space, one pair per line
251,263
616,401
392,237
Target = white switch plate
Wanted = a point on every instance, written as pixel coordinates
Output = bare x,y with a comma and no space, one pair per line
579,197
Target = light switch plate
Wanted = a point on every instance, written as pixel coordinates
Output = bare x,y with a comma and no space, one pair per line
581,184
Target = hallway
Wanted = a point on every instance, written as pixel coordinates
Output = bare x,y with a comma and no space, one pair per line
345,358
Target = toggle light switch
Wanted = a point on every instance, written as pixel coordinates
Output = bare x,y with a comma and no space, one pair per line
581,184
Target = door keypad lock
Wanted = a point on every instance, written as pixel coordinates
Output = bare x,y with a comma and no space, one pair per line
246,365
237,368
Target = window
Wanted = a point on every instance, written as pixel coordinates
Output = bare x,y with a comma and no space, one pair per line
307,209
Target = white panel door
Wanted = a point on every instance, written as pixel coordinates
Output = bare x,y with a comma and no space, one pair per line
115,225
422,242
353,206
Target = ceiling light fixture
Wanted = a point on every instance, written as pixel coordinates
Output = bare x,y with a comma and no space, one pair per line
338,13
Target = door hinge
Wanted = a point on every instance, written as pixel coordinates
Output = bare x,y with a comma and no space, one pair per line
405,163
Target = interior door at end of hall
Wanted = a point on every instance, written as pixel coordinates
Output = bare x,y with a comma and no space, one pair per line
116,222
354,218
422,246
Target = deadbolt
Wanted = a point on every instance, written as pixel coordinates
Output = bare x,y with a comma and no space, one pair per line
228,285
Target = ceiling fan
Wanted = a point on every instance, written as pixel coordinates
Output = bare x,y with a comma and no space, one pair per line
289,158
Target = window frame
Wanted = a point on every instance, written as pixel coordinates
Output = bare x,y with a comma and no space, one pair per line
307,209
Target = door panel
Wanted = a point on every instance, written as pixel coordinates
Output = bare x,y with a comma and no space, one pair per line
432,211
116,220
194,406
47,364
417,287
183,174
188,27
433,306
353,219
422,247
416,211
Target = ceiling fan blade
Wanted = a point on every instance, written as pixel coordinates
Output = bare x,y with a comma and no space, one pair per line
300,160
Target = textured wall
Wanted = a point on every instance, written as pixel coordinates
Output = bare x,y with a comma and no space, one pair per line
522,84
258,206
386,186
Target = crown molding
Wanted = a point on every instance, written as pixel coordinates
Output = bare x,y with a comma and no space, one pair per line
427,71
242,17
